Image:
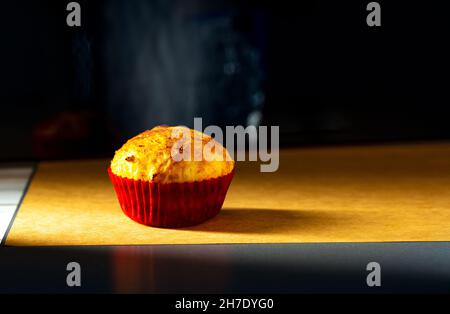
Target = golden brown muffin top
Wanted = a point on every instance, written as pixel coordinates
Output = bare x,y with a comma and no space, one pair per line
171,154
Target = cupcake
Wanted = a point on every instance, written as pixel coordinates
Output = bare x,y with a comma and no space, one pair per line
171,177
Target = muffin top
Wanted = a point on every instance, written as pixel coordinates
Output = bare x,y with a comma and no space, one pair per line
171,154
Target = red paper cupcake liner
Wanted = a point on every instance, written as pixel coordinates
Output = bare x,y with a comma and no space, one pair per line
171,205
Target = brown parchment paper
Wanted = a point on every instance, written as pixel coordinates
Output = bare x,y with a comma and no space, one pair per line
338,194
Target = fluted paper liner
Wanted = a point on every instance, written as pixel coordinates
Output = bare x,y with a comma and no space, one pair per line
171,205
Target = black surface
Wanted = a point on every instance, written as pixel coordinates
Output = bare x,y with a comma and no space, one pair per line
256,268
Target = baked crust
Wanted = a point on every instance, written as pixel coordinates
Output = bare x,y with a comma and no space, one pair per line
166,154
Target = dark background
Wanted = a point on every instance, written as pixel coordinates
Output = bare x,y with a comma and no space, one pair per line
315,69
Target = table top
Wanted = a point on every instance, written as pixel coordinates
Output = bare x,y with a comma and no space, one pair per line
388,193
408,173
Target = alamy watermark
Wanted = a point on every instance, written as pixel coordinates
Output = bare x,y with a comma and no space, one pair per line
73,278
258,142
74,17
373,279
